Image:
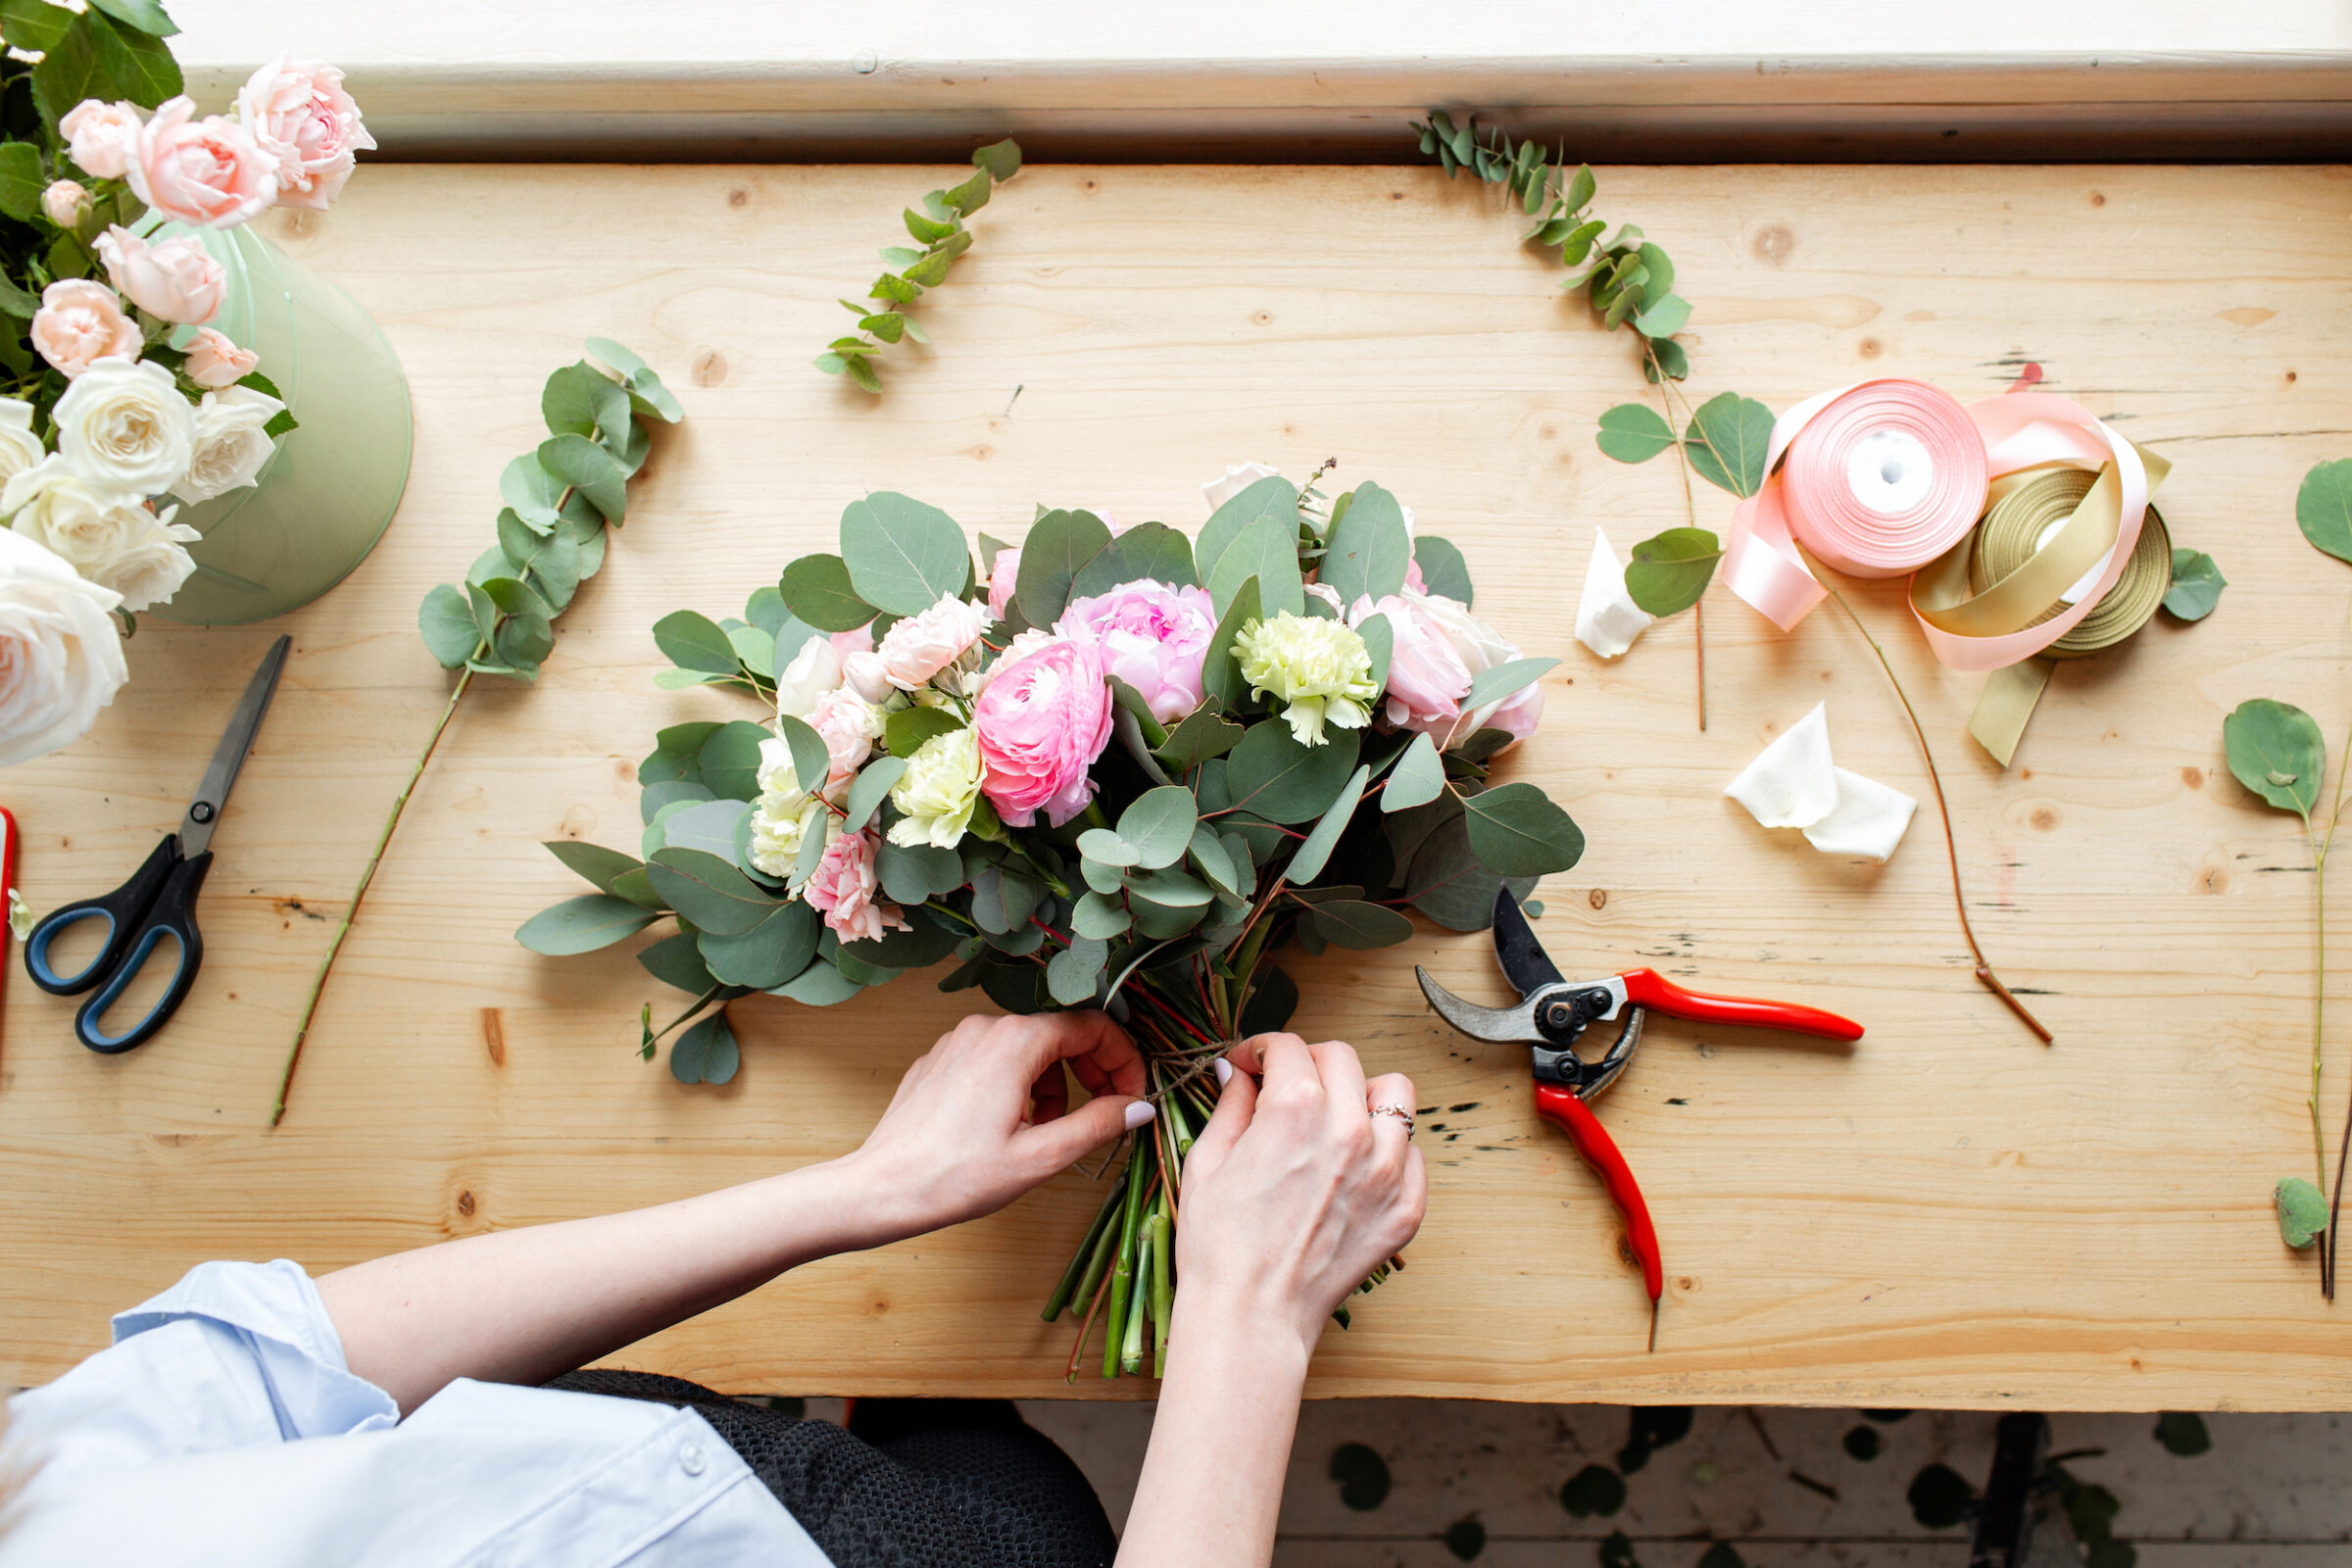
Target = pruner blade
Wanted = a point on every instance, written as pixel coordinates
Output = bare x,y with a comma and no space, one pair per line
1514,1025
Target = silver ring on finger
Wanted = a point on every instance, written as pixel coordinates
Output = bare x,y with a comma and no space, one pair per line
1401,1114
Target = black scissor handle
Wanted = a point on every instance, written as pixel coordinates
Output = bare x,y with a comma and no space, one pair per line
124,910
172,919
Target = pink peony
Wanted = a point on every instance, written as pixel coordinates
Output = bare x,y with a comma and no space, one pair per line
919,645
81,323
857,640
208,170
100,137
173,278
301,118
1003,575
843,887
1042,720
1427,678
849,725
1151,636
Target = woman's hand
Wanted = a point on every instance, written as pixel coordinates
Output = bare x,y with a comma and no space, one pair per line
1295,1191
984,1116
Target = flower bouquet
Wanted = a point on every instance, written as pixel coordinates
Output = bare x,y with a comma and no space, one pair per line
1120,771
114,391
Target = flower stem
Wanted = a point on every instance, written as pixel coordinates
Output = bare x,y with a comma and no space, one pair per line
1952,847
351,910
2319,1001
1681,459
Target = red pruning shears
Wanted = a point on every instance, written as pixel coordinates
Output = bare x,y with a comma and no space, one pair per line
1552,1012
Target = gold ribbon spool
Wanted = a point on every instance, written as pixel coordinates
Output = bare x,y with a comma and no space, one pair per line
2024,508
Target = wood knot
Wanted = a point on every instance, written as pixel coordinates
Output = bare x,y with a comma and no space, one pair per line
2044,818
494,1036
466,1204
709,367
1773,244
1869,348
2097,199
1599,898
2193,777
1261,318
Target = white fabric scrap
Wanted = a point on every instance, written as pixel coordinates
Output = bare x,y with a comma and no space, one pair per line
1607,620
1794,783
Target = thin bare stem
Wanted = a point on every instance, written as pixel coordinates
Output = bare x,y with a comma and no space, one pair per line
1951,846
351,910
1681,459
2319,1001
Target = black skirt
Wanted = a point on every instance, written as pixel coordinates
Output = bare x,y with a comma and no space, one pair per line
910,1483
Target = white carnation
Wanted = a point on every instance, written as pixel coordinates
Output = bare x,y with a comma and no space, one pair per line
60,659
125,425
229,444
784,812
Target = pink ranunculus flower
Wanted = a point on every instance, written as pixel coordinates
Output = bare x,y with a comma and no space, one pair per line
843,888
1004,577
81,323
209,171
920,646
173,278
849,725
100,137
300,116
1041,723
1427,678
1151,636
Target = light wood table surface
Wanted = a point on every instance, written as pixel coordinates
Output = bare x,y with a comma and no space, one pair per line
1947,1215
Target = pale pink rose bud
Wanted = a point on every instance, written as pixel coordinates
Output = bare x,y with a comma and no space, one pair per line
1427,678
1151,636
920,646
209,171
844,885
173,278
215,360
302,118
66,202
1004,577
864,675
1041,723
849,725
81,323
100,137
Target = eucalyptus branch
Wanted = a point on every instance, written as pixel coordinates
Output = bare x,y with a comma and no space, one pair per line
940,230
1698,623
2319,1001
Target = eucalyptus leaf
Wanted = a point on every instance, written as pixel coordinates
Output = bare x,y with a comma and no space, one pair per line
2196,585
1104,847
695,641
1666,317
866,795
1273,999
1494,684
1220,668
2274,749
1727,440
1380,644
1002,901
906,730
1315,852
1002,158
912,873
1056,548
1634,433
708,891
1273,775
769,953
820,985
1266,551
1515,830
583,924
1273,496
1446,883
903,556
593,862
663,793
2302,1211
447,623
1148,552
1361,925
1669,571
1418,777
1442,567
1073,973
677,962
1369,549
1199,736
729,761
817,589
706,825
1158,825
588,470
921,944
706,1053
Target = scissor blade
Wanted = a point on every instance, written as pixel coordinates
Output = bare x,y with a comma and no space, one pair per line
1505,1026
196,828
1524,961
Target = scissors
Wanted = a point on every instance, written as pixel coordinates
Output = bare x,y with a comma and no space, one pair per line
160,899
1550,1015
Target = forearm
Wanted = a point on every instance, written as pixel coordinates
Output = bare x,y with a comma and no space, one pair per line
526,1305
1212,1485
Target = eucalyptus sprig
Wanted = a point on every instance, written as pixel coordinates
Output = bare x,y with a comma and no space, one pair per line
939,228
551,538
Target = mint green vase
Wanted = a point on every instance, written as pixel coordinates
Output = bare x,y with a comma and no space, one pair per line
326,496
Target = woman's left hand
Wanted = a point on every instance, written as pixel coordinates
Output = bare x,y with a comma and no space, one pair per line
984,1115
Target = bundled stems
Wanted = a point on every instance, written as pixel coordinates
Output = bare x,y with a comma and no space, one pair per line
1952,847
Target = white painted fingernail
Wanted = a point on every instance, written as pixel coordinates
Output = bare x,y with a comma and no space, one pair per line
1224,1072
1138,1113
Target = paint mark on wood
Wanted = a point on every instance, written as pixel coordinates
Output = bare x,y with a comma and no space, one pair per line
494,1036
2246,314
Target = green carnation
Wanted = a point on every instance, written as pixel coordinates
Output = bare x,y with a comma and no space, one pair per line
935,793
1318,669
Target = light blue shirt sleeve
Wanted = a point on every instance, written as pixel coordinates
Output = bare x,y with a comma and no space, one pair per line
223,1426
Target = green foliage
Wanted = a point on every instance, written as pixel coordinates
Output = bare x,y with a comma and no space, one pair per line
1725,442
1442,567
2323,507
1634,433
2302,1211
1368,550
940,230
583,924
2196,585
551,535
903,556
1058,545
706,1053
1669,571
2276,751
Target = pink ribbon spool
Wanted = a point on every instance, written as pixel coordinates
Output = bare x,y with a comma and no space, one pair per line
1885,479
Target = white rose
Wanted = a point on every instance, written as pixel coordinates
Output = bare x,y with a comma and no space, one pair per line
813,672
20,448
54,505
230,447
125,424
60,659
920,646
152,567
1237,478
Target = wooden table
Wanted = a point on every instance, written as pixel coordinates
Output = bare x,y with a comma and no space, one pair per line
1949,1214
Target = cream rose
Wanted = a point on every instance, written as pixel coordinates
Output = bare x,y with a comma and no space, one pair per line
81,323
299,115
229,444
125,424
84,524
209,171
101,136
60,659
173,278
66,202
811,673
920,646
1236,477
216,361
151,568
20,448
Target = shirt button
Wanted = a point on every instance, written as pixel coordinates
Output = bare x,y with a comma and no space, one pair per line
692,1460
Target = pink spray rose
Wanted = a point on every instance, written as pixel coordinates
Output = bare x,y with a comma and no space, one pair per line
173,278
849,725
1151,636
300,116
1481,648
1041,723
1427,678
208,170
843,888
66,202
81,323
857,640
100,137
919,645
1003,575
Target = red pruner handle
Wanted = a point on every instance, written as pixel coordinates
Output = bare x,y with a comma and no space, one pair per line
1647,988
1560,1106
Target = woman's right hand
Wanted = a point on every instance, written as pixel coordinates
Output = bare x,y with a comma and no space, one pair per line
1296,1192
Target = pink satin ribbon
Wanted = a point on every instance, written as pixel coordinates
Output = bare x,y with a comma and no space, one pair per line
1808,499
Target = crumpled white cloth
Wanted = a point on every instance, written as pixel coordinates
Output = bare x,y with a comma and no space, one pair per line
1607,620
1795,783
